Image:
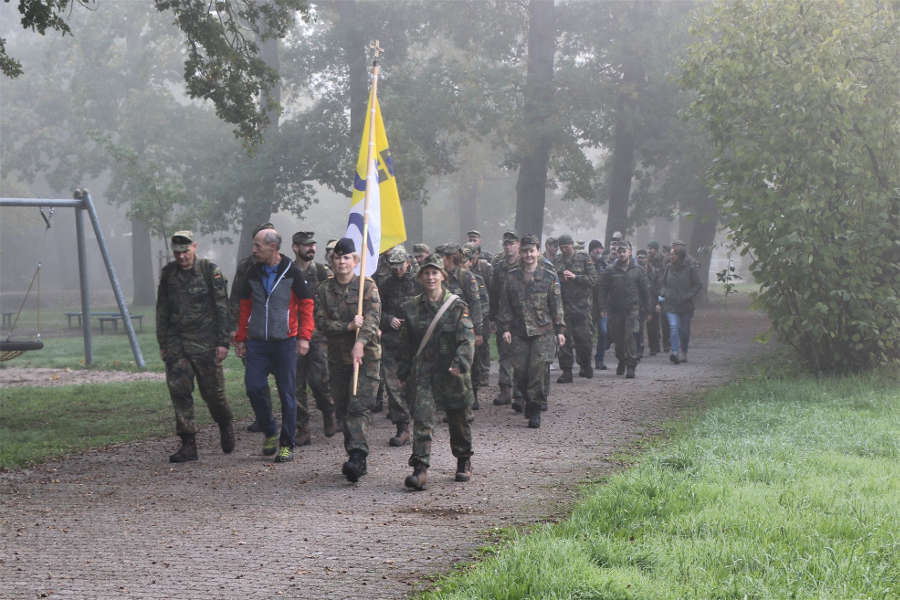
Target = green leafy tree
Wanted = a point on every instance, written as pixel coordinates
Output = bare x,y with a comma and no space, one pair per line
800,99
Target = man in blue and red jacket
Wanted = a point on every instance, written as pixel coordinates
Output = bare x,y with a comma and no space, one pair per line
275,324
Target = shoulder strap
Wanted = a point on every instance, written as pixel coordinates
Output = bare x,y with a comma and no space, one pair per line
440,313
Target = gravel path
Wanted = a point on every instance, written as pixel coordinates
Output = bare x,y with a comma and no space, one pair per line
122,522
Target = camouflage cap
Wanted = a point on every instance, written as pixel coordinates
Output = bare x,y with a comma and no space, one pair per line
304,238
330,245
510,236
182,240
469,250
653,244
617,235
529,240
344,246
421,249
432,262
678,243
397,255
565,240
448,249
473,233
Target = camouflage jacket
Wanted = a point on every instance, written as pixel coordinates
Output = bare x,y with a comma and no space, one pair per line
499,270
530,308
577,294
394,292
485,302
315,274
192,312
452,344
335,308
463,284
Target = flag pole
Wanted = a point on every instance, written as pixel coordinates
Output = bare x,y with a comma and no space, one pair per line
365,230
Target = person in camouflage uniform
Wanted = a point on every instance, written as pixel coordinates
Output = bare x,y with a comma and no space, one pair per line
436,369
234,301
622,295
597,253
531,321
395,290
469,254
482,268
577,278
420,253
648,319
500,268
655,317
193,329
551,249
473,236
353,339
312,369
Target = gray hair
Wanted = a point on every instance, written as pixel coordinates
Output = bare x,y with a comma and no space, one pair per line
272,237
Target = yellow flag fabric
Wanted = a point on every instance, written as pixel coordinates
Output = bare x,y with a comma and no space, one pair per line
392,226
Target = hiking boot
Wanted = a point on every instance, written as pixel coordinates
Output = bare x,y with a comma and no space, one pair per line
254,427
586,372
329,425
620,369
517,405
402,437
302,437
505,396
534,421
674,358
270,445
285,454
470,416
463,469
226,437
566,376
682,356
355,467
417,480
187,451
629,372
475,405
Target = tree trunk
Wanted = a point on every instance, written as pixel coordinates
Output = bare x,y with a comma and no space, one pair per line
468,202
414,217
355,42
537,122
142,265
623,157
703,236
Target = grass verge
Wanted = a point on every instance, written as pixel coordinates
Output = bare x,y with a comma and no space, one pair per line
41,423
783,488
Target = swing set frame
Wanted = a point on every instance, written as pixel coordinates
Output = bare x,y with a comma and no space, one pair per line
81,202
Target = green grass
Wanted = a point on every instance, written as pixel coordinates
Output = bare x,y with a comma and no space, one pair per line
38,424
782,488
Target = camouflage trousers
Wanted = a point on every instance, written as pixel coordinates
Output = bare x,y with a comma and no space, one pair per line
505,362
531,359
181,369
483,360
398,402
579,339
312,369
653,331
423,422
354,411
621,331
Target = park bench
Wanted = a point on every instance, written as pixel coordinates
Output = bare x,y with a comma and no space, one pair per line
7,319
105,318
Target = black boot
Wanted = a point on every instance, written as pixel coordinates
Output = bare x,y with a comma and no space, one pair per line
463,469
620,369
226,437
329,425
187,451
417,480
534,421
566,376
629,372
587,372
402,437
254,427
355,467
505,396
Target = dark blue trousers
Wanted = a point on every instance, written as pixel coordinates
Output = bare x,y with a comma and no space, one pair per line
278,357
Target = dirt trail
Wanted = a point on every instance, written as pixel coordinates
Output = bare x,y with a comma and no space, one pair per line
123,523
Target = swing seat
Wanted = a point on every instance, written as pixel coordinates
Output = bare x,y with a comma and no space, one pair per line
10,349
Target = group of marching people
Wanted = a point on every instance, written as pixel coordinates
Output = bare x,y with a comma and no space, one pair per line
415,333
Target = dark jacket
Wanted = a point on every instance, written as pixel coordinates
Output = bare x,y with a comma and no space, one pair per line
284,312
679,285
623,289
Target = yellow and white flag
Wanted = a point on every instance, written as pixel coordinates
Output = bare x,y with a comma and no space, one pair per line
386,226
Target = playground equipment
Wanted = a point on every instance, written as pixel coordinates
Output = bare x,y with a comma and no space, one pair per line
82,203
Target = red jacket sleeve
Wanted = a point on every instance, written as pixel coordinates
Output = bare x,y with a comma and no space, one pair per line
244,318
303,309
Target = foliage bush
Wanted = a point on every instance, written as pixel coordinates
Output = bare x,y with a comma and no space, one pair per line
801,102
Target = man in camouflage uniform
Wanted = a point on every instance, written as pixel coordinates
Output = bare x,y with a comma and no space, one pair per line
193,329
551,249
649,320
577,278
420,253
234,301
469,253
438,374
353,339
597,254
622,295
473,236
531,321
395,290
656,322
482,268
312,368
502,265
